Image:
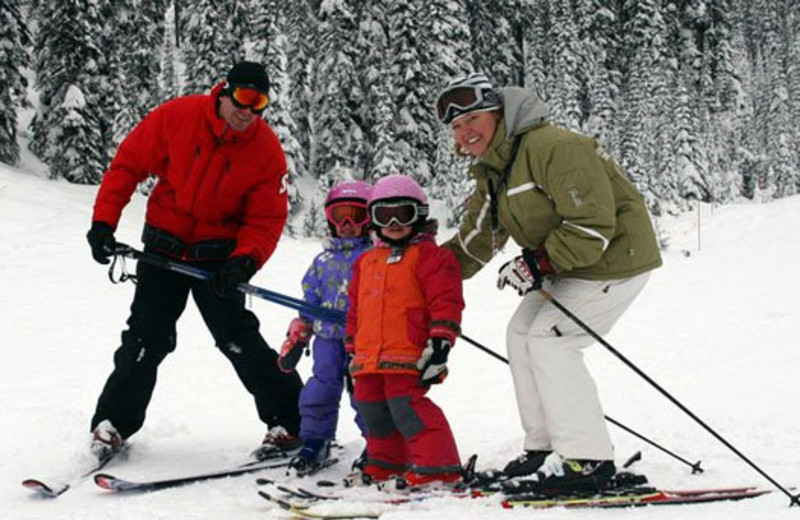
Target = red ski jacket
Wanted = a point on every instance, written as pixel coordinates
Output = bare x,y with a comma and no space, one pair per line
215,185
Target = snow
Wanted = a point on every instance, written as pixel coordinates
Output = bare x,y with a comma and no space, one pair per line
716,327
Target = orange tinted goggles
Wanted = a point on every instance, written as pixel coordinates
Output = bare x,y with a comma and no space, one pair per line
246,97
341,212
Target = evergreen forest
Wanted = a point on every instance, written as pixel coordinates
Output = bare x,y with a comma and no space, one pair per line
698,100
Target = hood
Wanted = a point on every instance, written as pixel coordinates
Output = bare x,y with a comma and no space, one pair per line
522,109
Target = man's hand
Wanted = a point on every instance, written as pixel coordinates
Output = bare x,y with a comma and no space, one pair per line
235,270
101,240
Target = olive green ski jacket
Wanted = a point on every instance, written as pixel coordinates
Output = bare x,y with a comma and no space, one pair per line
561,191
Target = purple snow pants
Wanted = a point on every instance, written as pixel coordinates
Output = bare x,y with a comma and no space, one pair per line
320,397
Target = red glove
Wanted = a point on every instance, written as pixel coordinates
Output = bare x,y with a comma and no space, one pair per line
297,338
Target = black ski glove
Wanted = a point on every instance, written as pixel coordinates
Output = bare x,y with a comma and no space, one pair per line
433,361
234,271
101,240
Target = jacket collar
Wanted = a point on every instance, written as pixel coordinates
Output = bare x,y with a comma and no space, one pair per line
427,232
338,243
498,153
523,111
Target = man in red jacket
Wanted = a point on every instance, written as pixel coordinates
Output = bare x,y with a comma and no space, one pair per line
220,204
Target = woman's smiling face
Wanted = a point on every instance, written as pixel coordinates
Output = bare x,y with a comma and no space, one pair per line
474,131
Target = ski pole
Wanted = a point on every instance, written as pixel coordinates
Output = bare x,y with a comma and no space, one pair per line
321,313
794,499
695,467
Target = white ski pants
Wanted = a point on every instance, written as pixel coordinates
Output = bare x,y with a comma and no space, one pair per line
557,398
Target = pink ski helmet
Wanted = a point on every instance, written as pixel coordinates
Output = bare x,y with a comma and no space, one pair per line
399,187
347,202
396,188
352,191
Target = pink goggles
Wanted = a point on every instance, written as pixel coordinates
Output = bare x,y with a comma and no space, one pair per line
340,213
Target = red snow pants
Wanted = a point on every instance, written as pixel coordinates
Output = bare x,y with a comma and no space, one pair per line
406,431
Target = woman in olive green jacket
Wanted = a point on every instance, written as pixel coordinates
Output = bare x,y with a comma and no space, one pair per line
586,238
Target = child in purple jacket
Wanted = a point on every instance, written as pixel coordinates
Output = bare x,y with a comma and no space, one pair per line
325,285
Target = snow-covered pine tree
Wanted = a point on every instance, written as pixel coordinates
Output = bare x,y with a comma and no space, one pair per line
14,42
793,77
69,129
301,32
645,103
378,111
170,79
563,79
776,106
495,30
689,156
687,22
724,71
138,35
450,56
338,132
749,156
412,89
314,221
599,68
269,48
538,52
214,32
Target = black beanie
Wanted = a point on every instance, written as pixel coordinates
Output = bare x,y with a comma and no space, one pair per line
249,74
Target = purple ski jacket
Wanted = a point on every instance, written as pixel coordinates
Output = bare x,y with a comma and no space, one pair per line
326,280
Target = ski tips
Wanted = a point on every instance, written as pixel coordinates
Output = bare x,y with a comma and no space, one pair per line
42,489
104,480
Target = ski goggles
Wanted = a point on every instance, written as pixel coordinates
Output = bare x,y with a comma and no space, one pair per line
460,100
341,213
383,214
247,97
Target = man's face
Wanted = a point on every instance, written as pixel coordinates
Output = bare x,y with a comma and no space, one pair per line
473,132
237,118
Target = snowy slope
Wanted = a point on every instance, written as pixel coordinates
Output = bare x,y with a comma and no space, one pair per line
717,328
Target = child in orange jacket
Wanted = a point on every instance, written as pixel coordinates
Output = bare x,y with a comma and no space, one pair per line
405,313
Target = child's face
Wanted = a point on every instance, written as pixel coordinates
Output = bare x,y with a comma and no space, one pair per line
348,230
396,232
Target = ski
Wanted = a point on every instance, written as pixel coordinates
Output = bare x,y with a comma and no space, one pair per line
53,488
295,492
638,498
303,510
119,485
302,502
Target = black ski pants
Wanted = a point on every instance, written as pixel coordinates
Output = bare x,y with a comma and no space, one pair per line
159,301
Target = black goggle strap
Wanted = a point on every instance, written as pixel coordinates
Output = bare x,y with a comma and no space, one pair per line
494,193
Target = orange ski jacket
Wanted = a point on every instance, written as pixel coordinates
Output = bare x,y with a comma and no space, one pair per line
397,304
